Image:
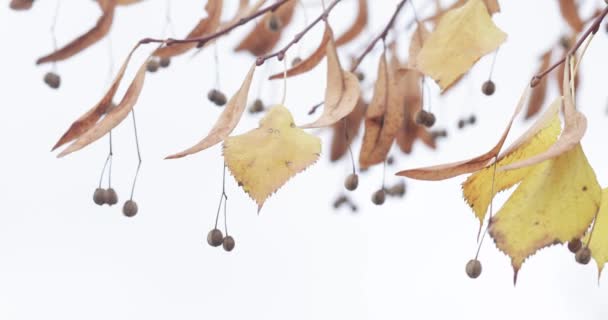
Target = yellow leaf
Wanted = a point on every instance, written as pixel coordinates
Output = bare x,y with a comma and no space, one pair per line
462,36
599,239
477,188
263,159
554,203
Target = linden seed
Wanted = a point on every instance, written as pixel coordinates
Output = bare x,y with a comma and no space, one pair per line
583,256
212,95
339,201
296,61
215,238
461,123
52,79
379,197
228,243
397,190
420,117
360,76
274,23
473,268
152,65
352,182
574,245
111,197
99,196
129,209
257,106
472,119
165,62
221,99
430,120
488,88
390,160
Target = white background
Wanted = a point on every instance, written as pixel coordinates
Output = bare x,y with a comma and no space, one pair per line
62,257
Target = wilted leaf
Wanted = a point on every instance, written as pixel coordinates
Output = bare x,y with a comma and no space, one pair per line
86,40
113,116
357,27
574,128
342,92
450,170
569,11
311,61
88,120
462,37
554,203
539,92
599,239
263,159
204,26
477,189
345,131
419,37
226,122
261,39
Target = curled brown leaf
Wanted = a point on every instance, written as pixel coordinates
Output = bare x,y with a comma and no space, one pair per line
346,130
569,12
358,25
226,122
539,92
100,30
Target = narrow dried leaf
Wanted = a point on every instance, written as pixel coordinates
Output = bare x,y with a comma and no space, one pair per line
569,12
539,92
598,244
126,2
419,37
86,40
310,62
410,130
226,122
262,160
344,132
450,170
574,128
357,27
462,37
114,117
88,120
261,39
204,26
21,4
342,92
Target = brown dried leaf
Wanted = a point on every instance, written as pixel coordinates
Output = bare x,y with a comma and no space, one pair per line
86,40
345,131
418,38
310,62
357,27
539,92
569,12
204,26
342,92
21,4
261,39
410,130
575,126
114,116
226,122
126,2
450,170
88,120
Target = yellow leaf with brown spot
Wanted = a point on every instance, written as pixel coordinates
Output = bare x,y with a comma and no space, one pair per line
462,37
555,202
263,159
599,239
477,189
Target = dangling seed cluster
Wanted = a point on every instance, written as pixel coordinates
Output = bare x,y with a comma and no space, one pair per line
425,118
257,106
217,97
471,120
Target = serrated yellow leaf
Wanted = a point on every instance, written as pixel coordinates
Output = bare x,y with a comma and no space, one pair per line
263,159
554,203
599,239
462,36
478,186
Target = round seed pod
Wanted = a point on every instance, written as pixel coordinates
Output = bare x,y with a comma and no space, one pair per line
274,23
213,95
351,182
397,190
296,61
488,88
129,209
111,197
52,79
215,238
461,124
257,106
473,268
583,256
152,65
165,62
339,201
228,243
220,99
379,197
360,75
390,160
472,119
420,117
99,196
430,120
574,245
